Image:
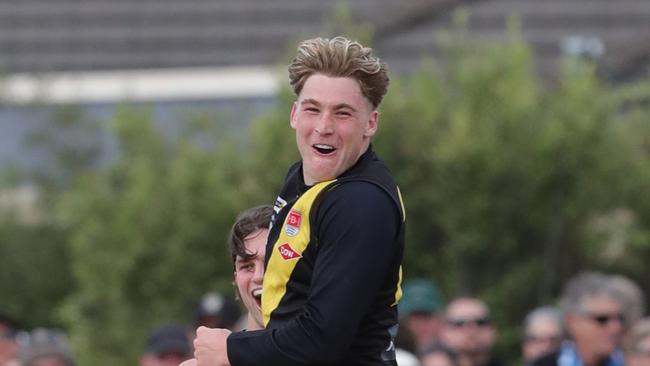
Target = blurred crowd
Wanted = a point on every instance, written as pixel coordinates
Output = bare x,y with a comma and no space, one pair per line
599,319
168,343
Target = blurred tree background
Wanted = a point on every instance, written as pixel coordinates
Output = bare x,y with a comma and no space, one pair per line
511,186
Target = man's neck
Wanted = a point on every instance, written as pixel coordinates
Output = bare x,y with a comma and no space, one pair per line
251,324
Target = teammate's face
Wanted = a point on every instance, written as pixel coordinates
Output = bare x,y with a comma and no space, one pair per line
334,122
249,274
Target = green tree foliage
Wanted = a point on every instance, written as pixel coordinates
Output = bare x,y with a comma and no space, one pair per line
34,255
512,187
35,275
147,237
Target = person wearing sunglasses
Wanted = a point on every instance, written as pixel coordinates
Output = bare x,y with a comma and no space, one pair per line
468,331
542,333
592,306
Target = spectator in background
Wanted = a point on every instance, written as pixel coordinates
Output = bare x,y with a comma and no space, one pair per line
47,347
438,355
419,312
167,345
542,333
592,306
632,299
637,344
468,331
216,311
8,344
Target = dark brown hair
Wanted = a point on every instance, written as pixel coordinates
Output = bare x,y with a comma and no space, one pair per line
248,222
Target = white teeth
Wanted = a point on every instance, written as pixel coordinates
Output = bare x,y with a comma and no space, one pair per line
322,146
257,292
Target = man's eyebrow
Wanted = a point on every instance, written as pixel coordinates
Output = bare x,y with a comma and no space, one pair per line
345,106
310,101
337,106
248,259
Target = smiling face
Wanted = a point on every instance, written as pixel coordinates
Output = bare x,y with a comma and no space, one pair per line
334,122
249,274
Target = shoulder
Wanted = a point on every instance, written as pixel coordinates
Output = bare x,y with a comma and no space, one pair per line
357,192
360,201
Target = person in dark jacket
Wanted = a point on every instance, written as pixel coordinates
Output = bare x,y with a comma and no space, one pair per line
333,257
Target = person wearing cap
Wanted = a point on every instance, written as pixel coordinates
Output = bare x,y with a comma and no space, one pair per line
167,345
419,308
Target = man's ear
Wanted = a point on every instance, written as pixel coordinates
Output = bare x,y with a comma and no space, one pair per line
373,123
293,119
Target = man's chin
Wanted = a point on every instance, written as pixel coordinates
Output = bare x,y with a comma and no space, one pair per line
313,179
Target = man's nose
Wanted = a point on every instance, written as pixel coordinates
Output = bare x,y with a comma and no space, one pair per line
325,124
258,275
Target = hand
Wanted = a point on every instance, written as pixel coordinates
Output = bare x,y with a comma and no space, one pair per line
210,347
190,362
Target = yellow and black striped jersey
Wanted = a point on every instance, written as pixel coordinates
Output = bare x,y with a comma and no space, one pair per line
333,272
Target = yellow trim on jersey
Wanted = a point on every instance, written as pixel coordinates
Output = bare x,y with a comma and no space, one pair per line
398,293
279,269
401,202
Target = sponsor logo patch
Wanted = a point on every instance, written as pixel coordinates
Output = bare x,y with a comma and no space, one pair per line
293,223
287,252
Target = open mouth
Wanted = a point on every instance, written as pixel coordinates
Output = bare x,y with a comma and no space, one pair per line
324,149
257,295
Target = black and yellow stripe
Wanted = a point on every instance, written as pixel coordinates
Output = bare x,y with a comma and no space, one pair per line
275,282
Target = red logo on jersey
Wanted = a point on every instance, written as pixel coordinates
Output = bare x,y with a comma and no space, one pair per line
293,223
287,252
